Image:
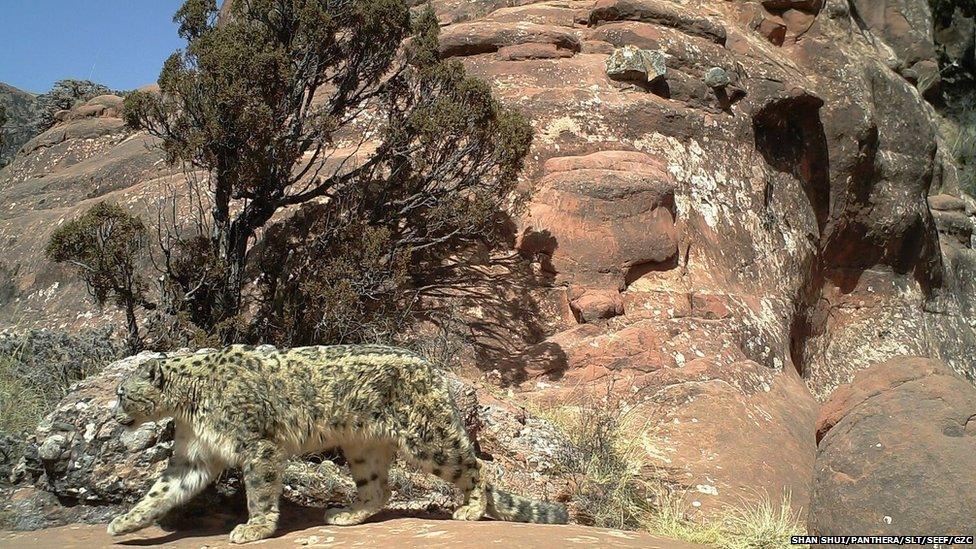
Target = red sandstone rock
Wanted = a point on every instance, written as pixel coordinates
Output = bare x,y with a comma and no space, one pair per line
597,305
522,52
896,452
773,28
483,37
659,12
805,5
603,214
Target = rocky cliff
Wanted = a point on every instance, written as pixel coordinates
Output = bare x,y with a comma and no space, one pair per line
18,129
739,205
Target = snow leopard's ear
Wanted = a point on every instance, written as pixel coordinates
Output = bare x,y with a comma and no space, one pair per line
156,374
152,371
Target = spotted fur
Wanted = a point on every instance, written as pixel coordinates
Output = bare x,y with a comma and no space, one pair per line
253,408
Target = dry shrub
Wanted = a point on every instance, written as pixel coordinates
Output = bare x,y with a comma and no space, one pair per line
38,367
22,403
614,484
618,486
346,284
442,343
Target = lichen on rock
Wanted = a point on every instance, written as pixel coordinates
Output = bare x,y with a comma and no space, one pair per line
635,64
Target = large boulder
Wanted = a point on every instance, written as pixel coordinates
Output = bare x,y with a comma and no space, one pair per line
896,453
603,218
80,453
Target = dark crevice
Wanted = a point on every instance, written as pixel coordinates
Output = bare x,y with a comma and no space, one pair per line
789,135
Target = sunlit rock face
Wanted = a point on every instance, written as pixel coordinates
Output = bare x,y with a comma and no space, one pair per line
718,254
727,255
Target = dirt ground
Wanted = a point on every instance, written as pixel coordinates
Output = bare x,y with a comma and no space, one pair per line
402,533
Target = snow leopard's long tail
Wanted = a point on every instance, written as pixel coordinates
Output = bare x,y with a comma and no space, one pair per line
513,508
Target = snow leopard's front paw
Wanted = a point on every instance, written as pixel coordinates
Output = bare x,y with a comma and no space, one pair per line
248,532
127,523
346,517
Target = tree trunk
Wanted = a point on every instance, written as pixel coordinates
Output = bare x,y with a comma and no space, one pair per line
134,342
231,237
232,250
230,246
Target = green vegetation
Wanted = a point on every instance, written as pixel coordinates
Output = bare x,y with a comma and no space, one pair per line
38,366
339,289
105,245
942,9
64,95
397,159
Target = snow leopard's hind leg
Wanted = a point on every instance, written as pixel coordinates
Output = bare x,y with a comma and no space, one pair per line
439,445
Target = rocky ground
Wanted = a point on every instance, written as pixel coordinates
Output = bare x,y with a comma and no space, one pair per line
741,206
385,532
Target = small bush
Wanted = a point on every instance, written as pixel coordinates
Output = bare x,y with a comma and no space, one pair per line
104,245
617,486
609,464
38,367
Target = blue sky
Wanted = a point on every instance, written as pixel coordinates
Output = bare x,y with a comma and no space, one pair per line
119,43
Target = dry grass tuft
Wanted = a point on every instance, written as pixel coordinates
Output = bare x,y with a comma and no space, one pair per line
617,484
670,519
22,403
38,367
609,462
762,525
